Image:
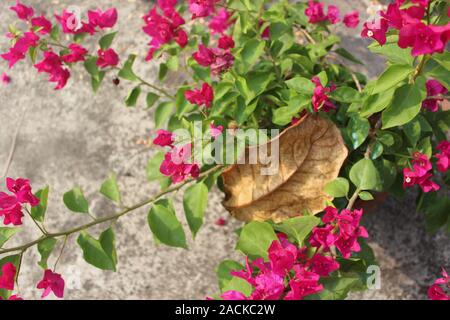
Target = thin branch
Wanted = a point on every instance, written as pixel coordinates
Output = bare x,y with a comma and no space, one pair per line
24,247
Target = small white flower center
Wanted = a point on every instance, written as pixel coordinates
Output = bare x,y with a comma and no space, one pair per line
370,33
408,180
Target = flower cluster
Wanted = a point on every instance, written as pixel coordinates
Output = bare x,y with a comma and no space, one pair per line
55,65
443,157
165,27
11,204
320,99
292,274
342,230
218,59
438,290
420,174
286,261
51,282
201,97
434,89
413,32
316,14
177,162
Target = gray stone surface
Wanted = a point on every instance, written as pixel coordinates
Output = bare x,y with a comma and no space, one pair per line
73,137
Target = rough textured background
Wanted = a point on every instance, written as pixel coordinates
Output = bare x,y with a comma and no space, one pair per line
73,137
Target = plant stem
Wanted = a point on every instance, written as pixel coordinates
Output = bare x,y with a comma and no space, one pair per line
419,69
35,222
60,253
367,154
116,216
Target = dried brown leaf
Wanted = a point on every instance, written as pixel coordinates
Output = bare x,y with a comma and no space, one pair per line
311,155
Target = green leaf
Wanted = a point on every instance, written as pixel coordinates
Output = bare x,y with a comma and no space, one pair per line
163,69
6,234
301,85
338,188
283,116
298,228
256,238
106,41
365,196
45,248
239,285
133,96
347,55
162,113
358,129
54,33
195,200
337,288
166,227
99,253
364,175
127,71
406,104
223,272
376,103
38,212
252,51
110,189
151,99
393,53
346,94
413,131
392,77
75,201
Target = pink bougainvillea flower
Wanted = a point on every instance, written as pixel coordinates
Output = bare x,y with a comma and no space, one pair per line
201,8
443,163
233,295
44,26
177,164
421,38
220,22
5,78
333,14
11,215
204,56
282,257
201,97
164,138
215,131
52,64
376,31
268,286
323,265
23,12
351,20
52,282
226,42
420,174
434,88
315,12
164,28
304,284
13,297
20,48
77,53
107,58
71,24
218,59
320,100
22,190
323,237
103,20
330,214
11,205
8,276
436,291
